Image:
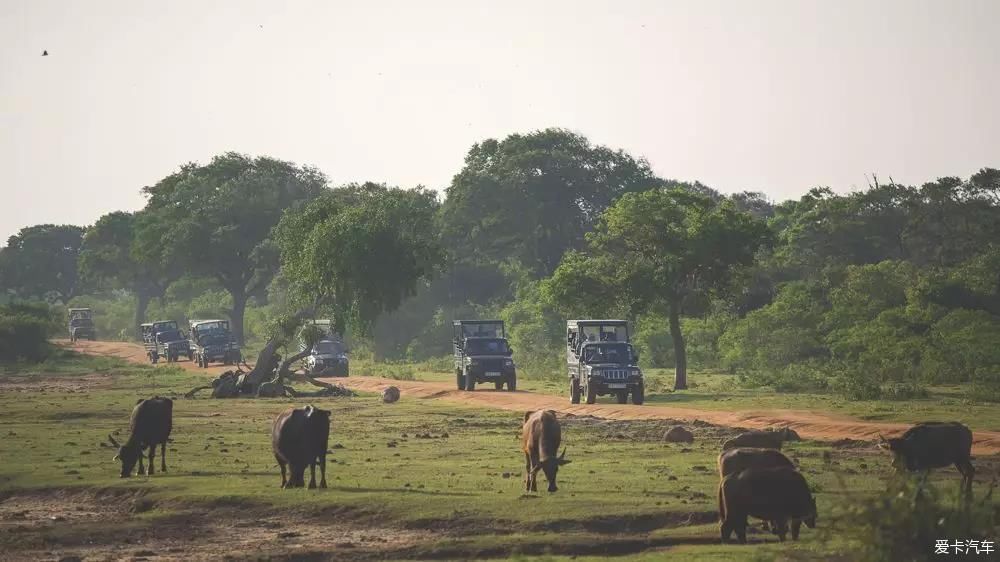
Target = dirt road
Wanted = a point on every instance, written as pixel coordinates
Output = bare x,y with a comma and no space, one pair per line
809,425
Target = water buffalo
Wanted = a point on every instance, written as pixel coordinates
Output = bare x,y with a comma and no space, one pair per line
739,459
540,438
933,445
299,438
771,494
149,426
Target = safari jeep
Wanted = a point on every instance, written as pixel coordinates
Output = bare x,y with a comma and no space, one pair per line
211,342
164,339
601,361
81,324
482,355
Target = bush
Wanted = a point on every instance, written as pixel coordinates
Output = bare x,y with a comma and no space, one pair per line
805,377
905,521
902,391
24,332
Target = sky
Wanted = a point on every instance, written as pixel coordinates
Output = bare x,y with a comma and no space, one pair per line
774,96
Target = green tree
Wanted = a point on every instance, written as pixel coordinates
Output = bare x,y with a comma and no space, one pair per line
217,220
359,252
654,249
108,258
531,197
40,262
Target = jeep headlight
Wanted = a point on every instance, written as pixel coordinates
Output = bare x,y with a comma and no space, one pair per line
508,362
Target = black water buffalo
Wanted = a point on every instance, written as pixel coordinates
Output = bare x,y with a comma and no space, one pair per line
934,445
149,426
739,459
771,494
540,439
299,439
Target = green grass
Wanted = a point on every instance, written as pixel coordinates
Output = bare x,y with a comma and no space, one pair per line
467,475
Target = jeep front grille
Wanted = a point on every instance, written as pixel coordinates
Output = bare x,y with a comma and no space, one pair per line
615,374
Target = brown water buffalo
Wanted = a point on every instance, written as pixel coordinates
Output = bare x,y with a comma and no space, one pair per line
149,426
299,439
540,439
771,494
934,445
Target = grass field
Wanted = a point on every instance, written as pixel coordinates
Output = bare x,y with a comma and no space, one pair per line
412,480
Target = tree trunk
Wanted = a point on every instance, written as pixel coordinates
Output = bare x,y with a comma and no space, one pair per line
680,350
236,316
141,303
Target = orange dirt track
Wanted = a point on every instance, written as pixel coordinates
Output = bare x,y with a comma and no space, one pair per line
809,425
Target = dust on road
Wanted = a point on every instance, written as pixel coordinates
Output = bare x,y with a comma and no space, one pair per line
809,425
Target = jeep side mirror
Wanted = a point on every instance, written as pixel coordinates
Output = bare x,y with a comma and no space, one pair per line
510,351
635,356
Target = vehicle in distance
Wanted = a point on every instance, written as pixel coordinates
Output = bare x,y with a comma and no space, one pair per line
482,355
212,342
81,324
163,338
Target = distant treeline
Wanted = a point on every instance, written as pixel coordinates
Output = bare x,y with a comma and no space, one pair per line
872,294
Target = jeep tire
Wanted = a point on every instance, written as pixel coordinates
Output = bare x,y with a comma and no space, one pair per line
591,394
512,383
470,382
460,380
638,395
574,391
623,397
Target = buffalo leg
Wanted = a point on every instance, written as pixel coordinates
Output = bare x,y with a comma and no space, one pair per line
163,456
142,467
322,471
796,527
527,472
281,463
968,471
152,455
312,475
536,465
781,529
725,529
740,526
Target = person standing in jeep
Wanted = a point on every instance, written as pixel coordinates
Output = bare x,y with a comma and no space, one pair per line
482,354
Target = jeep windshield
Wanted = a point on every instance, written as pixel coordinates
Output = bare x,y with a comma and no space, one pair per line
169,335
328,348
485,346
619,353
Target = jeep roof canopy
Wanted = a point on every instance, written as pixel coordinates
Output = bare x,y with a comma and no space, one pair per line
80,313
597,330
479,329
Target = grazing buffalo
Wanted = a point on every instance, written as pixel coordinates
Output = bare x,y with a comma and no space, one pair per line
739,459
771,494
540,438
299,438
934,445
758,439
149,426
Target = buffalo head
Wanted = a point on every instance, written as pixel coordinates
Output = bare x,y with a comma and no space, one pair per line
127,454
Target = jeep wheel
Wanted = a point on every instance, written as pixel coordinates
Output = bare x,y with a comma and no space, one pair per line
498,385
638,395
574,391
460,380
512,384
470,382
591,394
623,397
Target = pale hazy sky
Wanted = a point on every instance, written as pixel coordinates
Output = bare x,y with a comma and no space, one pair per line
771,96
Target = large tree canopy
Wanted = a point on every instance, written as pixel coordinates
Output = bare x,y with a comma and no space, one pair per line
532,197
216,221
40,262
109,258
653,249
359,251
